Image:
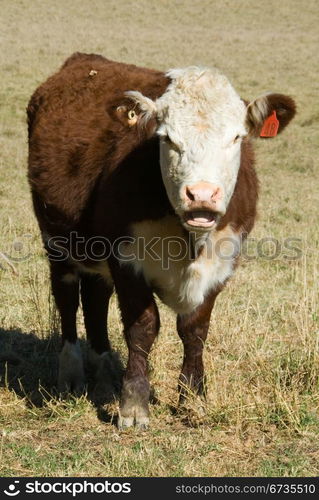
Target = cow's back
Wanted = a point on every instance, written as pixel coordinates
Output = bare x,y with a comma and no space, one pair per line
75,133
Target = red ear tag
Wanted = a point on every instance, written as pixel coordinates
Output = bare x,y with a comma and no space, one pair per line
270,126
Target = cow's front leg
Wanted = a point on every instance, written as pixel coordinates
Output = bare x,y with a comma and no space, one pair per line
141,325
140,334
192,329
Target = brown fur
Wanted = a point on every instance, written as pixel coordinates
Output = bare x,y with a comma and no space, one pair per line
92,171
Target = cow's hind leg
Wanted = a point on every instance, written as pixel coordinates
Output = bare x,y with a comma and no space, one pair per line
95,296
192,329
65,288
141,325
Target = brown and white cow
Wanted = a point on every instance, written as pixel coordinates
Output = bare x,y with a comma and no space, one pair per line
119,157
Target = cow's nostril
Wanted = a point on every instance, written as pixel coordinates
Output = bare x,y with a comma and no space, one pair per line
216,195
189,194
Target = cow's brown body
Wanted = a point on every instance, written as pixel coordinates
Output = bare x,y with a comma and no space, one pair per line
92,173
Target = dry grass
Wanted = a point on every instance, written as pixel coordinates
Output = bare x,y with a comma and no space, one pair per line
262,354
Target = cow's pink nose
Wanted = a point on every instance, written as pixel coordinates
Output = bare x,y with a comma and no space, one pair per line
203,191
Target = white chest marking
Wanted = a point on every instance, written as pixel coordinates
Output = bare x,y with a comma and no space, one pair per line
181,281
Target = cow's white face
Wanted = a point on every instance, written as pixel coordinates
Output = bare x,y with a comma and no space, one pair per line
201,122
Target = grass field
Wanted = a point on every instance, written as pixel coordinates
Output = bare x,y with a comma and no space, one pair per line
262,356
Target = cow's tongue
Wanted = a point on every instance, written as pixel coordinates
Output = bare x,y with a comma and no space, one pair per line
201,216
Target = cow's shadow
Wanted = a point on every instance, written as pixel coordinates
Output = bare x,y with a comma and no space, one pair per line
29,367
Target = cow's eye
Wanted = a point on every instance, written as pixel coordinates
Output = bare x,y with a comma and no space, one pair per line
171,144
236,138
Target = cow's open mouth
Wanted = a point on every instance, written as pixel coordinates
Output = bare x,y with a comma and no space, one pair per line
201,218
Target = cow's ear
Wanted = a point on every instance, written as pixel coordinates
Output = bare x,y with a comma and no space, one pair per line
269,114
146,107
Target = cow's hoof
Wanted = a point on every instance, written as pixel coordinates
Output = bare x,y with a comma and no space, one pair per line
143,423
125,422
140,422
134,404
71,371
193,411
196,407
